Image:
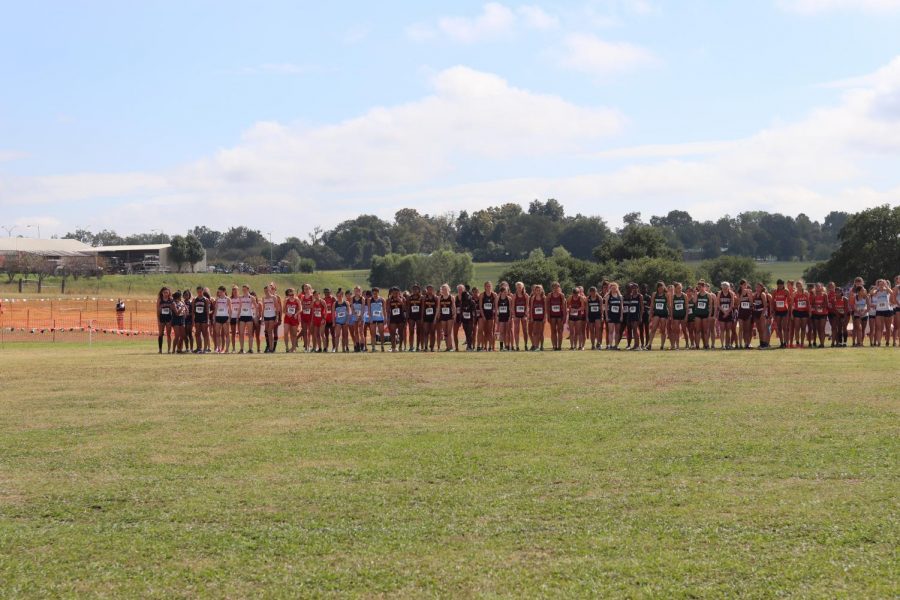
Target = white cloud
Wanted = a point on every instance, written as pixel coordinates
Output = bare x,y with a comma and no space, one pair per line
536,18
588,53
810,7
433,153
496,21
9,155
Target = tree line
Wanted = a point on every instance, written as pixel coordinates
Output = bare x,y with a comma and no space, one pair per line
509,232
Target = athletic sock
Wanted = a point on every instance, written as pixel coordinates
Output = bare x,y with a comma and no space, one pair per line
159,340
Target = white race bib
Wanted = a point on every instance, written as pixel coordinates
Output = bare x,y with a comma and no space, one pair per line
488,306
430,311
165,311
414,308
614,308
445,310
467,315
395,311
779,304
595,308
745,304
538,310
660,306
292,310
555,308
503,309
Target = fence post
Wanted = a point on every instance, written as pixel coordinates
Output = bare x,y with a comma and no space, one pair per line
53,329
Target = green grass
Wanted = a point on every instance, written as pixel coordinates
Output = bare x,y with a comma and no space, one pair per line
779,269
683,474
148,285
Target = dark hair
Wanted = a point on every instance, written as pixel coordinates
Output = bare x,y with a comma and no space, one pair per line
222,288
779,282
176,296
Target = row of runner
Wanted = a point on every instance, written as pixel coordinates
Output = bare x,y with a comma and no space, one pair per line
429,319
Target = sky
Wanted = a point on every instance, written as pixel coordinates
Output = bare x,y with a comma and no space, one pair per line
284,116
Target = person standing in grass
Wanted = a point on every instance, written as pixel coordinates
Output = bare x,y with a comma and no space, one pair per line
341,322
188,321
504,318
782,313
659,320
180,311
414,319
235,315
520,314
488,313
201,309
704,306
760,314
165,306
678,324
801,313
556,313
884,313
895,298
537,310
594,317
819,314
446,319
429,309
377,310
222,313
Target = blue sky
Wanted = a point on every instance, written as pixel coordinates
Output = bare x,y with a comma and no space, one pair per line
287,115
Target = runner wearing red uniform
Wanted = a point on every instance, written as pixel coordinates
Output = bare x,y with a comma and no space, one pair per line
291,320
317,322
800,303
819,308
328,332
781,299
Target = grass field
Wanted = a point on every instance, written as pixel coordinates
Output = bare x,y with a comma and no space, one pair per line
653,474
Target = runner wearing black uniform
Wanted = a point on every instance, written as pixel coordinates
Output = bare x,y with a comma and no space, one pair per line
466,310
396,317
447,316
504,314
595,318
661,309
616,316
414,320
188,335
702,312
520,314
429,311
745,314
164,309
488,306
201,309
678,324
645,315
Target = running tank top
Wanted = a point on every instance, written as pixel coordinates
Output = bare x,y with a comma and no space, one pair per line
882,301
292,307
521,305
269,307
679,307
487,306
537,308
429,308
221,307
341,312
593,307
246,305
555,303
235,307
503,309
446,305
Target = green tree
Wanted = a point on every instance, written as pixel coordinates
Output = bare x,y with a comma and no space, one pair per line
650,270
732,269
193,251
178,252
582,234
870,247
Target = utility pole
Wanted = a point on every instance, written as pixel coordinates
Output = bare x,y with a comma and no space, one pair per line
271,251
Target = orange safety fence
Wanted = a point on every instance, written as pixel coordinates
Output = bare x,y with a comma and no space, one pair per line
52,319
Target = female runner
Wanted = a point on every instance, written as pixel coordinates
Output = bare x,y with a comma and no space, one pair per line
634,304
414,320
328,326
396,317
692,337
233,316
179,311
556,311
377,310
679,321
504,314
201,308
537,308
188,335
317,324
271,316
702,312
357,307
819,314
291,320
429,315
896,301
782,313
576,322
727,301
257,319
520,315
487,312
603,292
247,304
661,305
616,316
884,313
306,301
466,310
761,309
341,322
447,321
457,301
860,301
594,304
165,306
840,309
800,301
743,315
222,308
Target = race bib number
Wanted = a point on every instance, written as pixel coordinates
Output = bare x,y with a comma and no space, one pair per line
633,309
779,304
376,312
467,315
414,308
340,313
395,311
679,306
614,308
801,304
574,312
430,311
292,310
595,308
701,305
520,310
538,310
445,310
503,310
318,313
245,311
306,310
488,306
165,311
660,306
555,308
745,304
